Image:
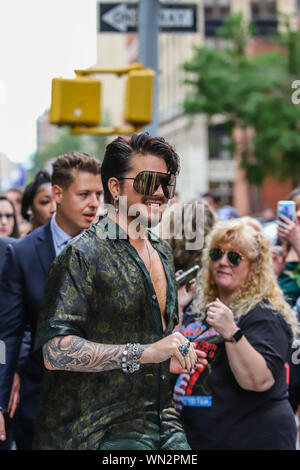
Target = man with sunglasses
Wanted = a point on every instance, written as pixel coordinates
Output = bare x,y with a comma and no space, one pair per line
108,317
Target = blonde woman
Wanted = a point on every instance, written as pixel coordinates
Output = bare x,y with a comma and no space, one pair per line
240,399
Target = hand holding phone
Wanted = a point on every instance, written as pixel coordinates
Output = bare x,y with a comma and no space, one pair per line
186,276
288,225
286,208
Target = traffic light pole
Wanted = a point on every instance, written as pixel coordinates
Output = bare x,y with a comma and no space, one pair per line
148,33
119,71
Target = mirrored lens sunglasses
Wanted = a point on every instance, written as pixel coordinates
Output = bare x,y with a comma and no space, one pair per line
233,257
148,182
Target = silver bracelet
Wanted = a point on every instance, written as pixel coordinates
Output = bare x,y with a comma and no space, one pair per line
130,358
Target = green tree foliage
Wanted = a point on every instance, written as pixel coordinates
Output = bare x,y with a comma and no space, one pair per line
252,92
64,142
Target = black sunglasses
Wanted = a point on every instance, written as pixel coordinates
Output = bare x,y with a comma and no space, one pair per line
148,182
233,257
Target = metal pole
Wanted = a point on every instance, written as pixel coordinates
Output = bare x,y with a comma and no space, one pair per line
148,31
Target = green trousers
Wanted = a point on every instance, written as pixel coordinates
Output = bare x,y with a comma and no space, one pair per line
153,441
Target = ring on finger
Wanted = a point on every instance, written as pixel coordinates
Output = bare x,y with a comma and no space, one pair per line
184,348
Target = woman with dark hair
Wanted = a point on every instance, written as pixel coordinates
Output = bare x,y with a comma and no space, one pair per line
38,205
8,221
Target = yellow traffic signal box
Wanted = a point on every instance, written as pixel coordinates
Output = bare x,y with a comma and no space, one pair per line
76,101
139,89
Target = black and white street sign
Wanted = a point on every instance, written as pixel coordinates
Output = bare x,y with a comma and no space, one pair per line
123,17
118,17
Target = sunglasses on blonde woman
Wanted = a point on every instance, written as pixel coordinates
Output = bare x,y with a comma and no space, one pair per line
233,257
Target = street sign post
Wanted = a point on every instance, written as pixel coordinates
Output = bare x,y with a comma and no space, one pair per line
148,29
123,17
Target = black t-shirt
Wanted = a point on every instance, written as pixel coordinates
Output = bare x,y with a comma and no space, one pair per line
216,412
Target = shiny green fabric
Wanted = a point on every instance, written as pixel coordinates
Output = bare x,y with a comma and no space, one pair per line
288,285
152,441
99,288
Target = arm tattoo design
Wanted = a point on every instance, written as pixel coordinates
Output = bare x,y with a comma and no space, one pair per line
76,354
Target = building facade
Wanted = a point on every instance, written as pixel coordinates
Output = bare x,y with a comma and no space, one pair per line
204,165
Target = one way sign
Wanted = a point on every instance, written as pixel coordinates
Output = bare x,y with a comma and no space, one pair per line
123,17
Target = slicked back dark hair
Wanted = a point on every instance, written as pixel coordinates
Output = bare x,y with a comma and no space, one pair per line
63,174
119,153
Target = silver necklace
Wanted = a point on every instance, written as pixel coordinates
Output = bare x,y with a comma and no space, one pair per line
150,257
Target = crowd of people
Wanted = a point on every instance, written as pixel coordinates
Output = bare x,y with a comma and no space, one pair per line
57,209
90,312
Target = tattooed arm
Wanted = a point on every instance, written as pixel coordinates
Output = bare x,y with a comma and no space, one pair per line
77,354
73,353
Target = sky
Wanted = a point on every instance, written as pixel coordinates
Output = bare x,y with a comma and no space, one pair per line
39,40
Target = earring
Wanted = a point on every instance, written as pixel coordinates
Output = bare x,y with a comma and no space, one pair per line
116,198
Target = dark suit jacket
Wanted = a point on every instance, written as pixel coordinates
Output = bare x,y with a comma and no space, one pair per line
4,241
22,282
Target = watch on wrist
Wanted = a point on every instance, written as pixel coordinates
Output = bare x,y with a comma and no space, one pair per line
237,335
